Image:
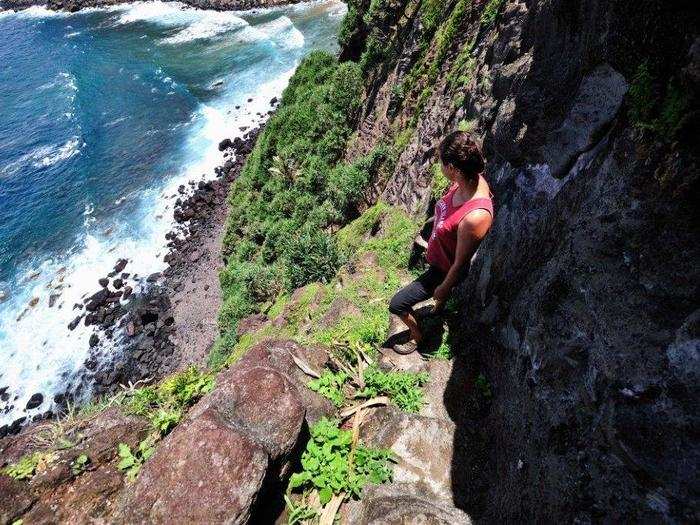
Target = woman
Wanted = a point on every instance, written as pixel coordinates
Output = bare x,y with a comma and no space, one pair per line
463,217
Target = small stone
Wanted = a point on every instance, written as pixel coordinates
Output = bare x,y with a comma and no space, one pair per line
94,339
103,282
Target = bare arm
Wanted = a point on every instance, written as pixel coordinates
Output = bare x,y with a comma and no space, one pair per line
470,231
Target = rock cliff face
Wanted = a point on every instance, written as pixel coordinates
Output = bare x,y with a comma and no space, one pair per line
583,302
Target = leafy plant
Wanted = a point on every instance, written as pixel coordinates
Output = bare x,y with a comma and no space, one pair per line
313,256
28,464
329,466
131,461
298,513
402,387
164,420
330,386
79,464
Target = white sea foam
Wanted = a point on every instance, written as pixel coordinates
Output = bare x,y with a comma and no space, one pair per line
211,24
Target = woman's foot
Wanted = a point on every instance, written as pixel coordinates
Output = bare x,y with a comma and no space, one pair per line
406,348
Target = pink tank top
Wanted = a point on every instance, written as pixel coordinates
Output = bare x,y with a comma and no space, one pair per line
443,241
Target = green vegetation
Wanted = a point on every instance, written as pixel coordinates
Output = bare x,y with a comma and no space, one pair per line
330,386
79,464
333,464
401,387
483,387
491,12
164,404
440,183
28,465
132,461
444,351
648,109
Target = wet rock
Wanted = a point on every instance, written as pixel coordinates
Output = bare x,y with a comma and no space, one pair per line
121,264
3,296
127,292
104,282
97,300
53,298
225,144
94,340
35,401
33,302
75,322
154,277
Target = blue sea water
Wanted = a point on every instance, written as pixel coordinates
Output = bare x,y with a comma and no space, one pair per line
104,113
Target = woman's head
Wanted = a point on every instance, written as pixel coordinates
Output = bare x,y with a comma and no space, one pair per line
461,157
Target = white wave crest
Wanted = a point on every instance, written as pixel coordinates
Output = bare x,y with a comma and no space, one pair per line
211,25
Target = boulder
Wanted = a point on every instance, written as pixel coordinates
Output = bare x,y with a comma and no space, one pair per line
204,472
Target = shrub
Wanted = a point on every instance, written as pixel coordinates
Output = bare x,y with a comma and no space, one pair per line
312,256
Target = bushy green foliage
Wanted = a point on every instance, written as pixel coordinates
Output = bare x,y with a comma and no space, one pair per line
491,12
131,461
330,467
330,386
444,351
311,257
351,26
28,465
392,244
402,387
164,404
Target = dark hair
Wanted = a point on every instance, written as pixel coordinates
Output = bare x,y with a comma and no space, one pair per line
459,151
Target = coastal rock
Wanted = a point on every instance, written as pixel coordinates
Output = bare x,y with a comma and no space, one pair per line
75,322
127,292
35,401
96,300
94,340
121,264
104,282
225,144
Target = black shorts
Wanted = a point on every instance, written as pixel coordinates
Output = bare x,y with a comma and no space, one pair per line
417,291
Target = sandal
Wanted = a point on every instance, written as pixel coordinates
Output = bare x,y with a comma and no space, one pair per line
406,348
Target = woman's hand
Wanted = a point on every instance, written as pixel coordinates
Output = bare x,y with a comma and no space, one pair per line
440,295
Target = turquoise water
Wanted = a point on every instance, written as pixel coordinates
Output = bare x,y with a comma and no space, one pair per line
105,113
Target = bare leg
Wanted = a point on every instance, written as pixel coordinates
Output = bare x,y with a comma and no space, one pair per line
412,324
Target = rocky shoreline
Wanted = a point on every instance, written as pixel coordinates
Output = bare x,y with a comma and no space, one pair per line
136,315
77,5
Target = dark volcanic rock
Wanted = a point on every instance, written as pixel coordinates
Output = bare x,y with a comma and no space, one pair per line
121,264
35,401
94,340
104,282
225,144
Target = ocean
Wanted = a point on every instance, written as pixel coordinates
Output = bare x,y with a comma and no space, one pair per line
105,112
